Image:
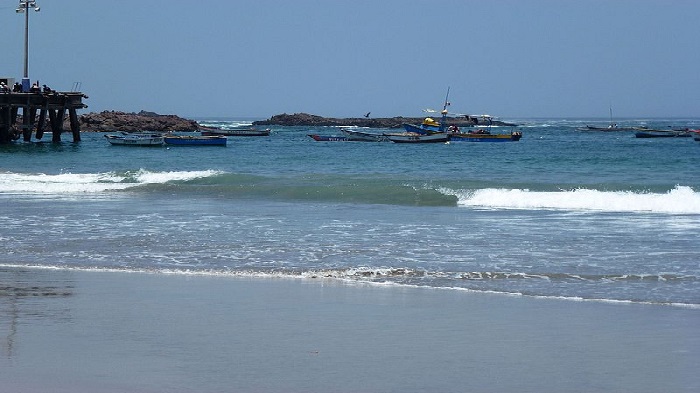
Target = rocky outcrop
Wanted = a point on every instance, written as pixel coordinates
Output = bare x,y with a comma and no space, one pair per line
307,120
110,121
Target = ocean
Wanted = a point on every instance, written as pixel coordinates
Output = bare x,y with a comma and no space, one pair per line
565,262
562,213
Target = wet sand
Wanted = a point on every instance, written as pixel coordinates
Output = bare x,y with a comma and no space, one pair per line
77,331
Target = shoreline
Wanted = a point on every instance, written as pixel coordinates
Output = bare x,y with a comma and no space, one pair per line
85,331
311,278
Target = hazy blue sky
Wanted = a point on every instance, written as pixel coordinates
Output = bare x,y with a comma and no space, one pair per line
508,58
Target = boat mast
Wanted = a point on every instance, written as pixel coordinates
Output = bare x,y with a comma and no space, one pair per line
443,121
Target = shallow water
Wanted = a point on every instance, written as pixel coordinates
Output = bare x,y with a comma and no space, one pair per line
562,213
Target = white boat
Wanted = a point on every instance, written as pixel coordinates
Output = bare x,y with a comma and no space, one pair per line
413,137
136,139
362,136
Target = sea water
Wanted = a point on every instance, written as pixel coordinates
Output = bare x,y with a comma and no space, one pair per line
563,213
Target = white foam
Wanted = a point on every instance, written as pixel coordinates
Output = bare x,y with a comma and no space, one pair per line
680,200
74,183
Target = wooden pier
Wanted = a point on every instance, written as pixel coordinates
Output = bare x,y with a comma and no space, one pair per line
39,110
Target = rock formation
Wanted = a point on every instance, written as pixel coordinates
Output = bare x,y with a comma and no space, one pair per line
307,120
111,121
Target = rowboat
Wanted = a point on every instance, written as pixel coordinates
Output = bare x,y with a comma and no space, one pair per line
485,136
135,139
235,132
195,140
412,137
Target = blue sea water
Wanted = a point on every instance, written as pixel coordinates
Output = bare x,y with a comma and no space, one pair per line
563,213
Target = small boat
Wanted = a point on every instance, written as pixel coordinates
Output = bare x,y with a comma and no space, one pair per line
196,140
662,134
611,127
485,136
413,137
328,138
362,136
136,139
235,132
429,125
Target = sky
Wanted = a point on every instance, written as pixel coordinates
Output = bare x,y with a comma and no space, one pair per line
511,59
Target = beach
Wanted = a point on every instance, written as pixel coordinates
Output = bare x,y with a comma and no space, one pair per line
106,331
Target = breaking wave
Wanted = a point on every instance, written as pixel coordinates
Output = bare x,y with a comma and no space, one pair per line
679,200
82,183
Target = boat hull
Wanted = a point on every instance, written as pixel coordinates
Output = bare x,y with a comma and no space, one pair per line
135,140
328,138
475,137
410,137
360,136
240,132
180,140
421,129
661,134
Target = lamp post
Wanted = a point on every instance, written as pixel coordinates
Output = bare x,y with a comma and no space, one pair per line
24,6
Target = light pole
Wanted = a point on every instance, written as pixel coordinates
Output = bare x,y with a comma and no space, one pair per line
24,6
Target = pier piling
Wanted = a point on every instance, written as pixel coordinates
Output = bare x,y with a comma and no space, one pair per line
54,103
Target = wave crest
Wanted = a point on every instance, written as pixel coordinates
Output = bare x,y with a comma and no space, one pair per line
679,200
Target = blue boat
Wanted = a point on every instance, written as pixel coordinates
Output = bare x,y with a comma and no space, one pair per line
196,140
428,126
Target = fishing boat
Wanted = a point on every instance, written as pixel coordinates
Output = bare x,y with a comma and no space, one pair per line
136,139
196,140
328,138
413,137
610,127
252,131
362,136
485,136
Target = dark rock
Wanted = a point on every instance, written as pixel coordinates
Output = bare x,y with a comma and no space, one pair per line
307,120
110,121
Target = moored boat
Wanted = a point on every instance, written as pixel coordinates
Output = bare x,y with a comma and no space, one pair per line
362,136
136,139
610,127
485,136
662,133
196,140
428,126
413,137
328,138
